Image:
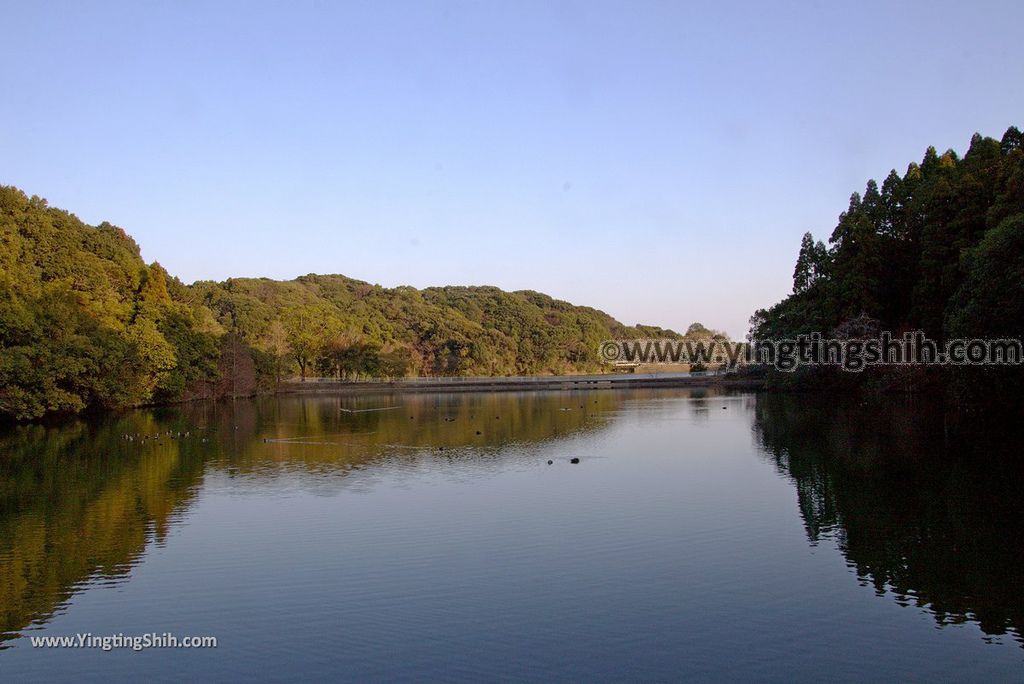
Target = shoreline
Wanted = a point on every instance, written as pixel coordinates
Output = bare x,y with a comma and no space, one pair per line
519,383
423,385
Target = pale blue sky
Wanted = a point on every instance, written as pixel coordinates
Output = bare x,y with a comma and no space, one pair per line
658,160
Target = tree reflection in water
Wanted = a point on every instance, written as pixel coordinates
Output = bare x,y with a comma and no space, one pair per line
928,517
80,502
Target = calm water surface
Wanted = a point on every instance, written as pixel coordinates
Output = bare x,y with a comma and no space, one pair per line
701,536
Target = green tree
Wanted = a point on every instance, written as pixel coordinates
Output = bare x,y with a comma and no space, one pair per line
810,263
305,329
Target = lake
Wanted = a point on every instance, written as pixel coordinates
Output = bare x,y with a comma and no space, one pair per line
701,535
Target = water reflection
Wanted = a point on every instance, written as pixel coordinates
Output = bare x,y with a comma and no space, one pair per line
80,502
925,516
78,506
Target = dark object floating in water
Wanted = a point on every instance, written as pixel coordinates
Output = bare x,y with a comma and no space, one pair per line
724,407
440,448
550,462
574,460
479,433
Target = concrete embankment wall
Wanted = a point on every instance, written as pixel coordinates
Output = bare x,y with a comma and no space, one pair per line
564,382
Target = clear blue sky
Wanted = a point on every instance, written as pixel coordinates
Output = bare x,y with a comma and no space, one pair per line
658,160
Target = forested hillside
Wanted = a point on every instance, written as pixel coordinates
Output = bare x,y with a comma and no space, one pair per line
86,323
939,249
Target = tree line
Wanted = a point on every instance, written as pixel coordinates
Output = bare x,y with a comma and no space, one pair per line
939,248
85,323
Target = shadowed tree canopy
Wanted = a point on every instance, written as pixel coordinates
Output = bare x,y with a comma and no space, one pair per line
938,249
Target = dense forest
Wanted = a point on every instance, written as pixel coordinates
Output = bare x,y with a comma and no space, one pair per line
86,323
938,249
